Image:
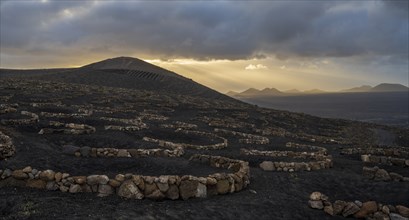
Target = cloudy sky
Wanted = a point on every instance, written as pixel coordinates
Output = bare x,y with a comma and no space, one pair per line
225,45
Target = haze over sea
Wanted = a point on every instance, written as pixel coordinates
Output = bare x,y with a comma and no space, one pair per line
390,108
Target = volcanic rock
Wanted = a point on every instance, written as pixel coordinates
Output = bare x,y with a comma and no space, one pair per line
367,209
129,190
403,211
350,209
188,188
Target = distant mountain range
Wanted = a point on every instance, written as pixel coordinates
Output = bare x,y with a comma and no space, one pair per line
252,92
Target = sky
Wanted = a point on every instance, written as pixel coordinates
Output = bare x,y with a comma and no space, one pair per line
226,45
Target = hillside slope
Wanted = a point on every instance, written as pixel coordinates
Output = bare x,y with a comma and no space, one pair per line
123,72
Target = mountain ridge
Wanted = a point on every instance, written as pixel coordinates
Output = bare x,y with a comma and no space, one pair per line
382,87
123,72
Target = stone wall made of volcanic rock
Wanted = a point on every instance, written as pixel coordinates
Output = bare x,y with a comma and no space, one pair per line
393,161
8,108
320,157
69,128
281,132
377,174
136,121
226,122
389,155
357,209
390,151
152,117
7,148
248,138
65,115
136,186
172,145
17,122
115,152
122,128
179,124
320,150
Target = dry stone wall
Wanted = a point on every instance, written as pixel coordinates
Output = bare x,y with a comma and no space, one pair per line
377,174
7,148
172,145
17,122
70,128
358,209
248,138
388,156
225,122
134,122
281,132
179,124
117,152
131,186
153,117
8,108
320,157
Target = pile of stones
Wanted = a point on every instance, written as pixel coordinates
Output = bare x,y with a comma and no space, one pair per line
320,157
69,128
7,148
136,186
248,138
376,174
357,209
17,122
115,152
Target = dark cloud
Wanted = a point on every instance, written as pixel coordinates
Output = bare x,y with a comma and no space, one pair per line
206,30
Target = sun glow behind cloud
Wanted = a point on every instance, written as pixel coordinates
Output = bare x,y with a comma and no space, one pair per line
255,67
224,45
225,75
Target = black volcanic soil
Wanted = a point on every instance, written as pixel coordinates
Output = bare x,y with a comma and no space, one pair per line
270,195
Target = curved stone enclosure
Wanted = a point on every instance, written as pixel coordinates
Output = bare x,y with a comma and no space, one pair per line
69,128
357,209
248,138
389,156
134,121
377,174
8,108
7,148
115,152
16,122
81,114
179,124
320,157
173,145
136,186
